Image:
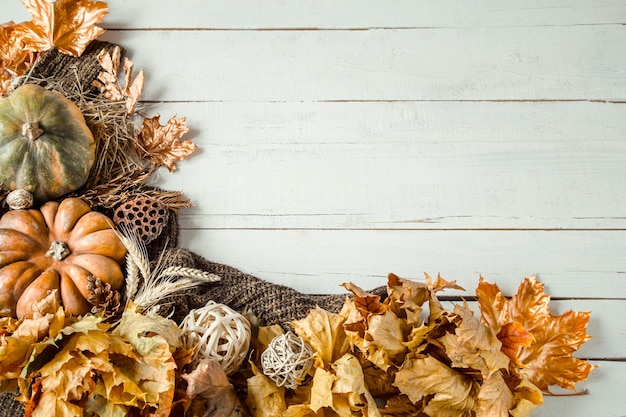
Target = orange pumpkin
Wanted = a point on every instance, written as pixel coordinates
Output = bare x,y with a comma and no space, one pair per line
56,247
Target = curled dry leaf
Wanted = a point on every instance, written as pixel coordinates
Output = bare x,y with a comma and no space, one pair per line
68,25
163,144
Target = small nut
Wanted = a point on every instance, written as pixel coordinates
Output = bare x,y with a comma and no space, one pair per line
19,199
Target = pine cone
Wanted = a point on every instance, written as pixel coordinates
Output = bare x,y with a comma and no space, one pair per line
102,298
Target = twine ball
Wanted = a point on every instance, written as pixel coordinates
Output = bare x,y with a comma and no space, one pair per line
216,331
287,360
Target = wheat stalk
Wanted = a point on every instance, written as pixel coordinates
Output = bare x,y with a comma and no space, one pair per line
158,283
132,277
186,272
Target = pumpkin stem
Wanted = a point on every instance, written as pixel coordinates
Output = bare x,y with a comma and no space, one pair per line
58,250
31,130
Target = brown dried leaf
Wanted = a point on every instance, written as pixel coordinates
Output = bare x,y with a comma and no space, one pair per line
513,336
215,395
365,302
68,25
162,144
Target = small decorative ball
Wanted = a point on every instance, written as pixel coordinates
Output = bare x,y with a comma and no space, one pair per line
145,216
287,360
219,332
19,199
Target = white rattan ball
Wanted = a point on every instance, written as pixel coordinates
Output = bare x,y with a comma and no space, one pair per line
287,360
219,332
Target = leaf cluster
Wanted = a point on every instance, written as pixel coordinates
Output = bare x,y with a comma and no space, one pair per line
407,355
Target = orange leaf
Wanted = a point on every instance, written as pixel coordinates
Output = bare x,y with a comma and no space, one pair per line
513,336
547,359
365,302
68,25
162,144
13,57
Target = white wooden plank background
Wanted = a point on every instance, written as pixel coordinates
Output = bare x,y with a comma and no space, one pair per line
342,140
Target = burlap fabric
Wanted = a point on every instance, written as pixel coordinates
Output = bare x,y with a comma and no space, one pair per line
271,303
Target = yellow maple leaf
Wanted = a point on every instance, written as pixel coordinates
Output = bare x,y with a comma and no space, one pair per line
350,382
448,392
494,399
324,332
68,25
474,345
162,144
546,360
321,389
265,398
384,341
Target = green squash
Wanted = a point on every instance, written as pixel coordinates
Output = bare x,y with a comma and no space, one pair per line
45,145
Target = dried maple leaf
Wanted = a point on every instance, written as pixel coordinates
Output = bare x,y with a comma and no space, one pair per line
495,399
446,391
350,383
513,336
365,302
68,25
162,144
406,297
546,360
324,332
474,345
384,341
264,397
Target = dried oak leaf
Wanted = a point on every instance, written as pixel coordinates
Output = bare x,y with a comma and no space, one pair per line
108,82
68,25
162,144
546,360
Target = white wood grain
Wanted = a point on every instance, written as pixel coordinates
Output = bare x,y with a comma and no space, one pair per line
572,264
328,14
461,138
403,165
536,63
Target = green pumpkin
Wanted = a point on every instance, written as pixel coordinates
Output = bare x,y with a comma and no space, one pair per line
45,145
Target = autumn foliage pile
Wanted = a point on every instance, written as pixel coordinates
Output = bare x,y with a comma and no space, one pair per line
398,358
404,355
